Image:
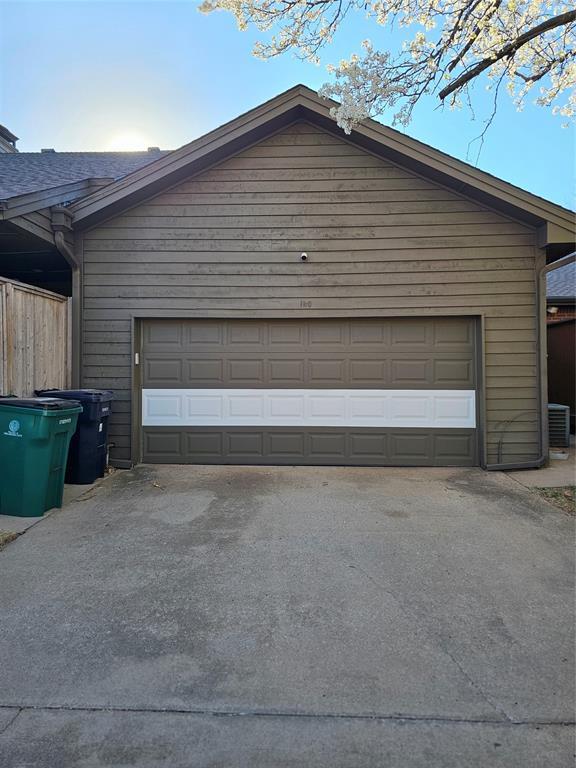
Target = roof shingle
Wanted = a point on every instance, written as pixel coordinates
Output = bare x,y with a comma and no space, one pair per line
24,172
561,283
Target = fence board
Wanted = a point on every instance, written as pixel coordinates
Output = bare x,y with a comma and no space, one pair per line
35,347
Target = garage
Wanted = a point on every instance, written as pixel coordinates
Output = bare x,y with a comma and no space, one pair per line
277,292
355,391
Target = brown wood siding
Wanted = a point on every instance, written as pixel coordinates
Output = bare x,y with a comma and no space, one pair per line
380,240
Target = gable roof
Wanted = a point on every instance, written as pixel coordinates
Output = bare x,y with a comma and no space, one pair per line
301,103
26,172
561,283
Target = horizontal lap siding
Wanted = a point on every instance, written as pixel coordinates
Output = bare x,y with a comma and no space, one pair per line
380,240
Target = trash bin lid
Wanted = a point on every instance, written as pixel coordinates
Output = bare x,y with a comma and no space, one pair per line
83,395
39,403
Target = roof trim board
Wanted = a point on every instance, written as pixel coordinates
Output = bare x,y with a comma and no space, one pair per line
18,205
301,102
40,225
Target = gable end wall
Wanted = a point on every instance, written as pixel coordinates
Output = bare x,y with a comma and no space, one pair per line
381,241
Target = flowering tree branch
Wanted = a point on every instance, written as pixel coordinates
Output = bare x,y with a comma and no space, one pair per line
509,50
456,42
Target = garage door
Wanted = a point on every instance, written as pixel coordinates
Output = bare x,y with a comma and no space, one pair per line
338,391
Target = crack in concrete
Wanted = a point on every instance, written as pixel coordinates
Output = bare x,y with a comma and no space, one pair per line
495,705
398,717
10,722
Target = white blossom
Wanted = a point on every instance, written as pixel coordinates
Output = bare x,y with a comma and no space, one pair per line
450,41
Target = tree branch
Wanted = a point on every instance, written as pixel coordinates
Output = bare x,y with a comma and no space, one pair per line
475,32
538,75
508,50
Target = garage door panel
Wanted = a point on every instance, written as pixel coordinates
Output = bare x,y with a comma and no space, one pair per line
204,372
328,333
412,333
164,445
411,447
205,444
381,334
286,372
286,444
327,445
204,333
368,372
397,391
454,372
164,372
411,373
284,334
327,372
163,408
242,333
369,445
204,408
161,335
245,445
358,447
370,332
245,372
285,405
448,448
309,407
433,371
448,335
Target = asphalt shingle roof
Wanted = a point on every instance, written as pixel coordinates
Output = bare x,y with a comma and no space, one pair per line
23,172
561,283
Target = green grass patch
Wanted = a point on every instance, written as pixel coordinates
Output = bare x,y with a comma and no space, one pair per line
563,497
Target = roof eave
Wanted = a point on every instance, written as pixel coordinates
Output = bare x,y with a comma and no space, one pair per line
561,299
19,205
557,241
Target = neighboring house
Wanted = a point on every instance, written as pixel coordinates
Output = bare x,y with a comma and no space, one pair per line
561,330
561,294
279,292
35,235
7,140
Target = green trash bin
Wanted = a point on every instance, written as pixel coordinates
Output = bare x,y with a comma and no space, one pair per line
35,435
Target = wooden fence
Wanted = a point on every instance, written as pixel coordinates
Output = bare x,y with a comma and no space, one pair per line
35,342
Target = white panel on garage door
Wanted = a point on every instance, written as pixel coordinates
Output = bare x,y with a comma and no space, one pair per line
308,408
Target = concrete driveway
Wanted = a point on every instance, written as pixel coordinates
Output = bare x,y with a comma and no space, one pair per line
209,616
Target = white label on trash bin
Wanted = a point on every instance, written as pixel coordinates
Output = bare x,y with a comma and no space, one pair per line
13,428
100,427
64,421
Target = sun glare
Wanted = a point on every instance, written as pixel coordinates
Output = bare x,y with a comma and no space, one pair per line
128,142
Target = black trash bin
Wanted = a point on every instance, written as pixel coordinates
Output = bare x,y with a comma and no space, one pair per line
89,447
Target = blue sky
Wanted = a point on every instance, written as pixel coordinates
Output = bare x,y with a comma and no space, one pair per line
97,75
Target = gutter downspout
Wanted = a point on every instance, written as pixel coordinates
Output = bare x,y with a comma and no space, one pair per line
61,223
65,250
542,372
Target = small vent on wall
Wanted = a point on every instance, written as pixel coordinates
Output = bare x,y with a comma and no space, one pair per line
559,425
